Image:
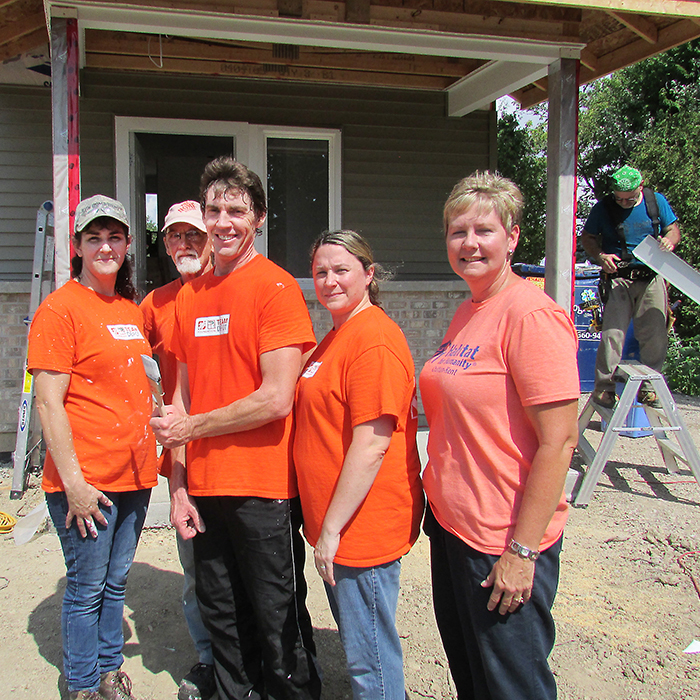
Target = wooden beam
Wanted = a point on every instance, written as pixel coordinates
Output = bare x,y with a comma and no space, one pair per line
357,11
561,181
269,72
641,26
127,44
26,43
669,37
468,23
674,35
672,8
22,27
290,8
589,59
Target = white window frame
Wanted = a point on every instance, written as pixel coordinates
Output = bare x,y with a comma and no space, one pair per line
126,127
251,149
258,163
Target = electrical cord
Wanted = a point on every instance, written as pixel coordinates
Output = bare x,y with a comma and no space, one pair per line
7,522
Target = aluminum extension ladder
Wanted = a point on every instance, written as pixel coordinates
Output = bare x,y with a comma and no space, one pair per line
26,458
663,422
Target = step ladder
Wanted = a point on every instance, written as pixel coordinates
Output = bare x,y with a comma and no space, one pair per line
27,452
663,423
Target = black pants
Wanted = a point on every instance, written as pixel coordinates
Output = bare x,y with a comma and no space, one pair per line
249,566
492,656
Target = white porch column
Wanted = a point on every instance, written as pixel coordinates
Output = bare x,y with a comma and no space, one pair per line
562,133
66,143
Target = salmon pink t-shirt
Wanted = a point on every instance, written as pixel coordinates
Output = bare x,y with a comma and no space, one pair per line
222,326
515,349
98,340
358,373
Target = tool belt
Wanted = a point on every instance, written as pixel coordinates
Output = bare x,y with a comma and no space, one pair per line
638,272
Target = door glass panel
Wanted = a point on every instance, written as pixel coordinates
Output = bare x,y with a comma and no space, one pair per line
298,200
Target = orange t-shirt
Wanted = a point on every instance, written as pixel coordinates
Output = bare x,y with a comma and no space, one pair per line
98,341
222,326
360,372
158,310
516,349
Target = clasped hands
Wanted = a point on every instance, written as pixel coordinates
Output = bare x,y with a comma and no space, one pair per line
174,429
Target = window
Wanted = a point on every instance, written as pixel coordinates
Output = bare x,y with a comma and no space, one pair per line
302,178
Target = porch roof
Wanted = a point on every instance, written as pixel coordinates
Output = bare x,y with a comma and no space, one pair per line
475,50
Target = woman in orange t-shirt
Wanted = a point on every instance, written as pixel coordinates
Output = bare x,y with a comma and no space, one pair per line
94,403
357,463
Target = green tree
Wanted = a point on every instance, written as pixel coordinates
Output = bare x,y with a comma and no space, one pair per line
617,113
522,158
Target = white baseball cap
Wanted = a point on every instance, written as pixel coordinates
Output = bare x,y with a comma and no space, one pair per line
187,212
96,206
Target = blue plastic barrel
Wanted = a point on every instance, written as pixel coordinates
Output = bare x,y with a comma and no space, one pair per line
586,315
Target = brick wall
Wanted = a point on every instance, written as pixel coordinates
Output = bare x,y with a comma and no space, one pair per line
14,306
422,309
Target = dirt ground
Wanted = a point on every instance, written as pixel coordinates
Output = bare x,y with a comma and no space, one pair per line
626,608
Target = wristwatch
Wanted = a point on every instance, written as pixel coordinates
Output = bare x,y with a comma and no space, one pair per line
522,551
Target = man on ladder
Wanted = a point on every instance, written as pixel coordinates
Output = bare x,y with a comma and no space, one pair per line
629,289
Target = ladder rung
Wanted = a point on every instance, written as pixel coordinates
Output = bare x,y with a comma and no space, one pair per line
672,447
646,429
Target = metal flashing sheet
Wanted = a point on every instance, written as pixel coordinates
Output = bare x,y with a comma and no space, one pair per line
670,267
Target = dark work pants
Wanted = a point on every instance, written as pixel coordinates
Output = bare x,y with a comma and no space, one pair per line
249,566
492,656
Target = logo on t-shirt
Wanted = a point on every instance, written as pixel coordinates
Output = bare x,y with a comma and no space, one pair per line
211,325
450,357
311,369
125,331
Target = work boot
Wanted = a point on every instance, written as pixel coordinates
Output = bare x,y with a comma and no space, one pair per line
606,399
84,695
648,397
198,684
115,685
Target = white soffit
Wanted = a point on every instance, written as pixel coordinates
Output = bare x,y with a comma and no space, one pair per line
512,62
489,82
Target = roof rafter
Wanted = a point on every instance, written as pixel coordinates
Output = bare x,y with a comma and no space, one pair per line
639,25
673,35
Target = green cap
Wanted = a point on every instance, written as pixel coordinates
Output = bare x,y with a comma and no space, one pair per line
626,179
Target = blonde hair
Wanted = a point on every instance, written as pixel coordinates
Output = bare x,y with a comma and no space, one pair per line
489,191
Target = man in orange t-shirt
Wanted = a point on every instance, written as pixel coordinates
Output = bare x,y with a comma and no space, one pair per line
240,332
187,244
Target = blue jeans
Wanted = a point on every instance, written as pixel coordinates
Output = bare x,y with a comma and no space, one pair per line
363,602
96,571
190,606
492,656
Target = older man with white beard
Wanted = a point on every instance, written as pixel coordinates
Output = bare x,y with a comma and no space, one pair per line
186,242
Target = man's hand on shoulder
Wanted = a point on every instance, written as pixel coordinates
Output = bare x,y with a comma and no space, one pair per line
174,429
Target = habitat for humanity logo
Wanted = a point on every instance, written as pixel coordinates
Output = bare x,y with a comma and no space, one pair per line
211,325
449,358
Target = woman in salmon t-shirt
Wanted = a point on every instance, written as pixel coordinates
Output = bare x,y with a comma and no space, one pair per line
357,463
94,402
500,395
